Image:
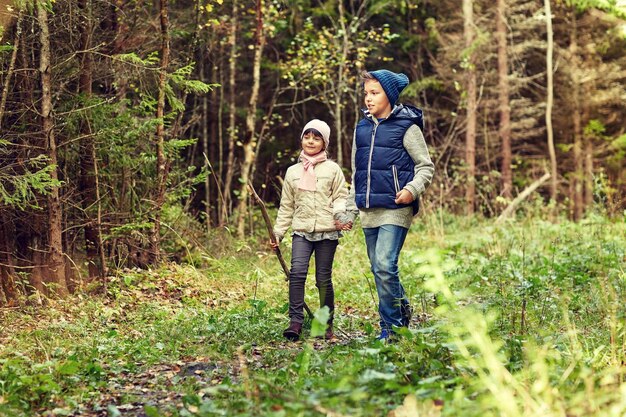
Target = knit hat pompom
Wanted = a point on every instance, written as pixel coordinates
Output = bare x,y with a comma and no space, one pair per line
321,127
392,83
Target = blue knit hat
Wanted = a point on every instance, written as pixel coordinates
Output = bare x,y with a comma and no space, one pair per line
392,83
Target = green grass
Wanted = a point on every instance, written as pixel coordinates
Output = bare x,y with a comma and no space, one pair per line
522,319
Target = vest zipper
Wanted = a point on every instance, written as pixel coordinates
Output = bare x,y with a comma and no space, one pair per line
369,166
396,183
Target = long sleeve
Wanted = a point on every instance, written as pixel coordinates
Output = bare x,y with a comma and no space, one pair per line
286,209
339,192
351,201
341,199
417,149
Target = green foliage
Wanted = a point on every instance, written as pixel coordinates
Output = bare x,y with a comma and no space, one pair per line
181,78
123,137
619,143
129,228
21,183
315,55
613,7
178,80
495,387
318,326
594,128
132,58
529,320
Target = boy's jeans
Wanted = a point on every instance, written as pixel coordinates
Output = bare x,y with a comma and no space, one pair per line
301,251
383,248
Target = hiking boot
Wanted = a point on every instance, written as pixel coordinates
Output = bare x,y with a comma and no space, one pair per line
329,333
293,331
407,313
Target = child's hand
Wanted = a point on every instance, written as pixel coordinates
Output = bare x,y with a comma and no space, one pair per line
404,196
343,226
274,244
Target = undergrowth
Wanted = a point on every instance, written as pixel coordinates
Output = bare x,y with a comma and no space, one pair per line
525,319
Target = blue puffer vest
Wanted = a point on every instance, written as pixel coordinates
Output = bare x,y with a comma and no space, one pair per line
383,166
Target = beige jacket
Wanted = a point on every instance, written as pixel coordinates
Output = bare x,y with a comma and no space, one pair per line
311,211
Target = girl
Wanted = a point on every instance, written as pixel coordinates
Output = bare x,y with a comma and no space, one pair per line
313,203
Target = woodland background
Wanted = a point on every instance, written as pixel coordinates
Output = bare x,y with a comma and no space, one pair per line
130,126
136,275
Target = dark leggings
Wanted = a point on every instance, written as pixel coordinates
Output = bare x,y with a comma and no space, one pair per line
301,252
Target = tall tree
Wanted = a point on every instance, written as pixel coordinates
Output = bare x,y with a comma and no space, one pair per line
588,152
161,157
550,101
344,46
87,154
504,130
470,82
56,259
232,110
250,146
594,83
576,177
9,73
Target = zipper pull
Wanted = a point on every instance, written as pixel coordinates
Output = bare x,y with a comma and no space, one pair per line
396,183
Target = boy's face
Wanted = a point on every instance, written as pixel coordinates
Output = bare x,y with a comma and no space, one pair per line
376,100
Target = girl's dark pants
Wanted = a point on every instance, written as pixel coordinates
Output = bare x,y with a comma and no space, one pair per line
301,251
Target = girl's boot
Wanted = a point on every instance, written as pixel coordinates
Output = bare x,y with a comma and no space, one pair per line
329,332
293,331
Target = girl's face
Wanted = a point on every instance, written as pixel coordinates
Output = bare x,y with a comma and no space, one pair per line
376,100
311,144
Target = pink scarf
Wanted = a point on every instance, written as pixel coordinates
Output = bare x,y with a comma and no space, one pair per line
308,180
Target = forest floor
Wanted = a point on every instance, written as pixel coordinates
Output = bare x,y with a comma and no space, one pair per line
526,319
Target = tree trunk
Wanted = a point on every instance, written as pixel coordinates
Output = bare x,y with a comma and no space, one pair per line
232,129
161,159
218,149
7,269
588,154
56,261
250,147
341,84
550,101
121,29
87,181
263,130
576,177
207,122
470,133
9,73
26,74
504,130
39,268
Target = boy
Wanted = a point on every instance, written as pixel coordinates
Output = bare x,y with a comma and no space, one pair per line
391,167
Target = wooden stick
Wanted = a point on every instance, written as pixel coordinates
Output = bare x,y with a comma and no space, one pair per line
270,231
